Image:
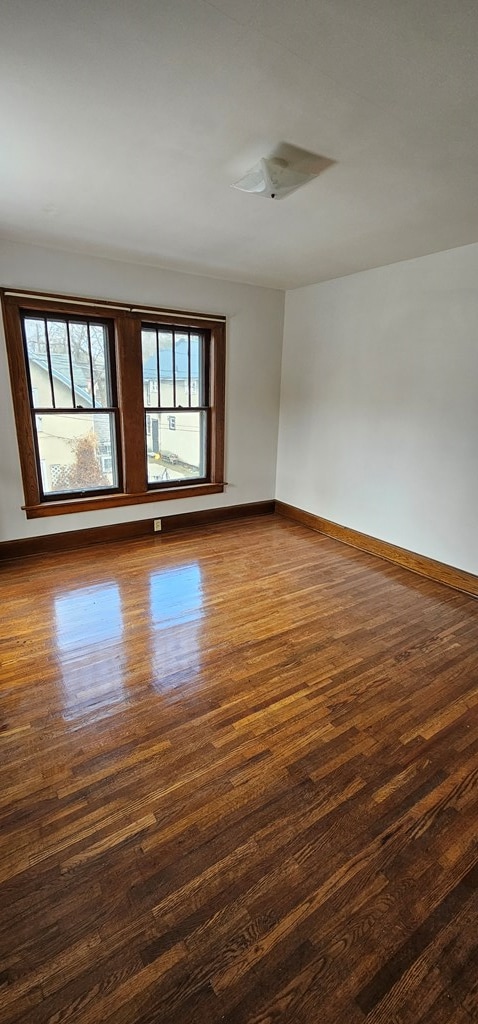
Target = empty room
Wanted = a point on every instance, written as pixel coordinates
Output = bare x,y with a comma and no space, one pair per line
238,512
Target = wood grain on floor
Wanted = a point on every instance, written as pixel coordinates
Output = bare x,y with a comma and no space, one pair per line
239,783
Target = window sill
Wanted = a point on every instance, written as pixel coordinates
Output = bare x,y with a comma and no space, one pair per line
62,508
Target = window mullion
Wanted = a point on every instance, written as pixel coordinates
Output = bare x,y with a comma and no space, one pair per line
130,393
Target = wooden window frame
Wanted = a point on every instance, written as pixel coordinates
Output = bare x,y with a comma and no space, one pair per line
127,321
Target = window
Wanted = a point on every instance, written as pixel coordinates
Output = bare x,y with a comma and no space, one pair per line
173,360
73,402
114,405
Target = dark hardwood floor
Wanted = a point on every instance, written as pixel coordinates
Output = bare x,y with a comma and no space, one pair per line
239,783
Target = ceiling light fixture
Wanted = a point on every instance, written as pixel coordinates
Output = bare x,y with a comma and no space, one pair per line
283,172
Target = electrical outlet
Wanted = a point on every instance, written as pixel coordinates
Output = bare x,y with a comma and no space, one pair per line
157,525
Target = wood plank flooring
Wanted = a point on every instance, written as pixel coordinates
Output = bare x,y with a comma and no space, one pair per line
239,783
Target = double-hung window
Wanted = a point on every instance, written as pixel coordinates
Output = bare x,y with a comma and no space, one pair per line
73,404
114,405
176,411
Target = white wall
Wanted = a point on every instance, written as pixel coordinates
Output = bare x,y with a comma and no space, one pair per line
255,321
379,404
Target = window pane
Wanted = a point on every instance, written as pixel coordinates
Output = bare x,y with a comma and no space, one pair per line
35,336
90,365
150,367
36,341
157,349
57,335
181,368
196,371
174,359
166,367
77,451
81,364
59,350
99,359
176,446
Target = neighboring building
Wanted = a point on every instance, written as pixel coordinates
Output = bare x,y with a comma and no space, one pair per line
58,432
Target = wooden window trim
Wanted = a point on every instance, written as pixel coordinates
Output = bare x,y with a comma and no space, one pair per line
127,320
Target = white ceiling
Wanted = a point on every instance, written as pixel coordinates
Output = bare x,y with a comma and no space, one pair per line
124,122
